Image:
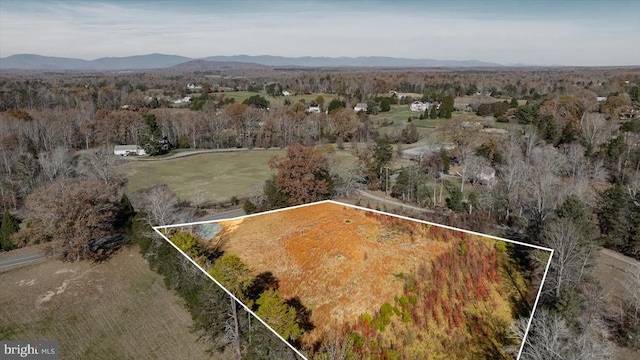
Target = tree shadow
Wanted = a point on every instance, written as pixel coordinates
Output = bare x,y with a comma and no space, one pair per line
303,318
303,315
263,281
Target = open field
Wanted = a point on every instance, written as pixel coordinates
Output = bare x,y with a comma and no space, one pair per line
610,270
218,176
212,176
334,258
114,310
241,96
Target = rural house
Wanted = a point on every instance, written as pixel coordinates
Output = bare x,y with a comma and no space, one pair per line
126,150
314,108
360,107
419,106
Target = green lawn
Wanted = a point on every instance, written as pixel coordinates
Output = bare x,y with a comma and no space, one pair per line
216,176
241,96
211,176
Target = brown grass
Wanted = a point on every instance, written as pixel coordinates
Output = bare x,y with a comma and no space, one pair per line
609,272
115,310
338,261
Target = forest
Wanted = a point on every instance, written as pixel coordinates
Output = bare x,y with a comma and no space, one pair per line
563,144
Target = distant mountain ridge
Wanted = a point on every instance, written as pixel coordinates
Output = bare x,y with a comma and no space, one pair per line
161,61
361,61
138,62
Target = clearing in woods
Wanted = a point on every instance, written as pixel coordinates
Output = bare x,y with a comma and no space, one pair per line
211,176
343,263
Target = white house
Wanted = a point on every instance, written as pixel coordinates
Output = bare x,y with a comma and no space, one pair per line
286,93
185,99
314,108
360,107
126,150
601,98
192,86
419,106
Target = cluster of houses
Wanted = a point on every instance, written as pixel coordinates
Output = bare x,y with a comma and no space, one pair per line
417,106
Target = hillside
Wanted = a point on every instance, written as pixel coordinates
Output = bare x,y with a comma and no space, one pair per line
119,309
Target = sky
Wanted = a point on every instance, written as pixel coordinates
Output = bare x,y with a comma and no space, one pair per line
534,32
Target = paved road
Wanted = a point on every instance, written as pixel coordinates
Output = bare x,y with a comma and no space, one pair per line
392,202
16,260
223,215
193,152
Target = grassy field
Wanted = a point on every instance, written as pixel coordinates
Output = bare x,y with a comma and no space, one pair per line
331,257
212,176
610,270
241,96
114,310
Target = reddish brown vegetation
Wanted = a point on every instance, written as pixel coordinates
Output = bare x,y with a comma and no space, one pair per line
333,258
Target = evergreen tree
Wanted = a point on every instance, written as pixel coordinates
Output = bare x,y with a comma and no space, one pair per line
385,105
619,220
124,218
434,112
233,274
280,316
447,107
150,141
9,227
446,162
257,101
335,104
454,201
382,153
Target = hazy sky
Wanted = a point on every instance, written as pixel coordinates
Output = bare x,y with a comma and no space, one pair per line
561,32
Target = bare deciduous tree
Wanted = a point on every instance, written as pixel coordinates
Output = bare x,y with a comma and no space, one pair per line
550,337
542,186
57,163
593,129
570,259
160,204
101,164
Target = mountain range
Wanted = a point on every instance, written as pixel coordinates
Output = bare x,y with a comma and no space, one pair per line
161,61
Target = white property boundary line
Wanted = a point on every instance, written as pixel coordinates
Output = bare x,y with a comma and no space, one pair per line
225,289
535,304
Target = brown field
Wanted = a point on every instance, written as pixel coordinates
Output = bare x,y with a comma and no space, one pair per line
341,262
609,270
114,310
